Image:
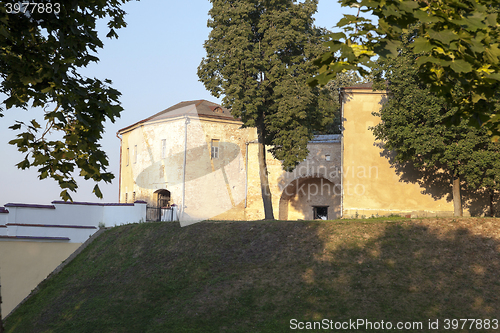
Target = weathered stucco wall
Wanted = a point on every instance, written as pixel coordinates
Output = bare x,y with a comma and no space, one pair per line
370,184
148,172
314,182
23,265
220,188
212,187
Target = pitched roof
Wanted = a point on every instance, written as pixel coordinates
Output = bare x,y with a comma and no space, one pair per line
200,108
367,85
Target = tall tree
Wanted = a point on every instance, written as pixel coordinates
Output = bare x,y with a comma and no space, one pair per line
461,40
412,127
42,46
259,57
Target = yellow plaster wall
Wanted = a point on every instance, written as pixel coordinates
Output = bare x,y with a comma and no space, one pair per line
23,265
371,186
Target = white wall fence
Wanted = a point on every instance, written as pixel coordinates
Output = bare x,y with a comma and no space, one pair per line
72,222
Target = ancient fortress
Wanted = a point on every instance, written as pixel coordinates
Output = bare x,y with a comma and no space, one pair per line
196,155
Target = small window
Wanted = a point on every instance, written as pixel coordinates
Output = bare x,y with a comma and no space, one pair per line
133,196
127,157
327,157
135,154
320,212
215,149
163,148
126,197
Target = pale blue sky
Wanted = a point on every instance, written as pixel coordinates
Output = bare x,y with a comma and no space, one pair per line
153,64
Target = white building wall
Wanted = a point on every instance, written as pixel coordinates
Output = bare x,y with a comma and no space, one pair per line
63,221
82,214
4,213
115,215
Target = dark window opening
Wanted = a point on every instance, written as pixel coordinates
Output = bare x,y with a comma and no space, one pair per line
215,148
320,212
163,199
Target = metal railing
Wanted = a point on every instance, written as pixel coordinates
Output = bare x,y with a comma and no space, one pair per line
156,214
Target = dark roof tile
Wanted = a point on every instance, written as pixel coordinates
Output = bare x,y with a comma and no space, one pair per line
200,107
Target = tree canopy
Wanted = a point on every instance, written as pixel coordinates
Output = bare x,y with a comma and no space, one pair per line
329,102
461,41
259,57
412,128
41,49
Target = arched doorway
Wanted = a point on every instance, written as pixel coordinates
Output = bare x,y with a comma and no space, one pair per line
160,208
310,198
162,198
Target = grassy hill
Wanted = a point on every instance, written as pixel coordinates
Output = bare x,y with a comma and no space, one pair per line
258,276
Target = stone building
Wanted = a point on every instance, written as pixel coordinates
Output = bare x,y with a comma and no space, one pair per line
374,184
196,155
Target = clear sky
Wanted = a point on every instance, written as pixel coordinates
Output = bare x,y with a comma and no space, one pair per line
153,64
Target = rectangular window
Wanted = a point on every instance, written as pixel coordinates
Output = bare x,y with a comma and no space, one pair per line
135,154
127,156
320,212
215,149
163,148
126,197
133,196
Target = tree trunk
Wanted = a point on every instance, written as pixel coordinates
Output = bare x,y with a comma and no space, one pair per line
457,199
264,181
492,209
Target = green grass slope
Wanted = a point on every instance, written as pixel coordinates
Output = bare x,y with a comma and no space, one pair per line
258,276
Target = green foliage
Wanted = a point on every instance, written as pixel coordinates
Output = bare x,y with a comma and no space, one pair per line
412,127
329,102
460,38
259,57
40,54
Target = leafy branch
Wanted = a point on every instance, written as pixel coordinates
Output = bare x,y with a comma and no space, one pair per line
40,55
461,40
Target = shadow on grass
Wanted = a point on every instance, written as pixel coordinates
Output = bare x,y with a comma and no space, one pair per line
258,276
409,272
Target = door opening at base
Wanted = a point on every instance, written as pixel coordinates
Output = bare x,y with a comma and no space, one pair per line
320,212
